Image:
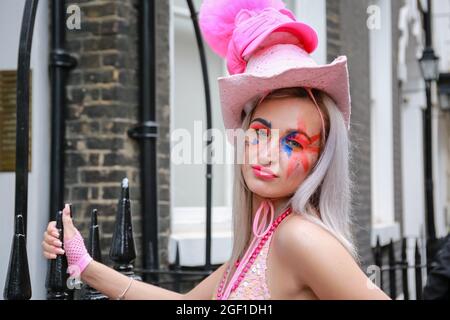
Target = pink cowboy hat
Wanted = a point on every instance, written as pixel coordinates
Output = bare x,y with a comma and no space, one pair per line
267,49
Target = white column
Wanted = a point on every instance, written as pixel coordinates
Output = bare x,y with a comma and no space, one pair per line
314,13
382,157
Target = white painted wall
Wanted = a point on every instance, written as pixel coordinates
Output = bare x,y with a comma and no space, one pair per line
382,147
413,103
10,21
441,123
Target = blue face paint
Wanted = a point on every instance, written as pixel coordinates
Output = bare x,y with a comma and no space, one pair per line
255,141
285,147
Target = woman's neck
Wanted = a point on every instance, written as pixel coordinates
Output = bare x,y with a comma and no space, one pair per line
278,204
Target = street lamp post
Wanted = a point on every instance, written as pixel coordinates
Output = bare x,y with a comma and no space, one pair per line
429,65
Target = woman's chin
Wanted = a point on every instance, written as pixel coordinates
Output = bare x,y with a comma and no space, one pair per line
265,189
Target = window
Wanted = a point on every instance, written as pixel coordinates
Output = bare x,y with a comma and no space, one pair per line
188,198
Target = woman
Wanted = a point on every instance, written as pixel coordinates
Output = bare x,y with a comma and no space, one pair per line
291,209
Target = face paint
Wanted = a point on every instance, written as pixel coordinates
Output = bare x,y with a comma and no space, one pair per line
262,128
297,147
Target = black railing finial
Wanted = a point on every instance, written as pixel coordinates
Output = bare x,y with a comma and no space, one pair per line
123,251
94,238
94,250
18,286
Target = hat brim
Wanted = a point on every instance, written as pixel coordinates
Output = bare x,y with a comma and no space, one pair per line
237,90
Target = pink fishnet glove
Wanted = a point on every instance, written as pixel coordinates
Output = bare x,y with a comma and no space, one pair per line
77,256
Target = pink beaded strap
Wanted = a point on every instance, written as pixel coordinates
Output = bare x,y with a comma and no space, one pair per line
254,248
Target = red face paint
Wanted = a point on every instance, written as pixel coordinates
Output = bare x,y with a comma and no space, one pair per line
300,154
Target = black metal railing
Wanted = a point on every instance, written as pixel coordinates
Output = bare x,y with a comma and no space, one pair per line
412,270
122,253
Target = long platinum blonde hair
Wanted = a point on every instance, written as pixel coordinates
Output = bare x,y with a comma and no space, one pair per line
324,197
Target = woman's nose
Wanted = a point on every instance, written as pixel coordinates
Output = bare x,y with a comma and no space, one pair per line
268,152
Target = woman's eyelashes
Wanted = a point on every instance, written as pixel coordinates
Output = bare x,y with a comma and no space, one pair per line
261,132
295,141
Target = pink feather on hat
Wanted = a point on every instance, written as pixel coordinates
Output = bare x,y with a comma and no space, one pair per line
266,48
217,19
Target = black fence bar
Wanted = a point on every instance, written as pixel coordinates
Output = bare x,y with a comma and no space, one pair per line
18,284
201,49
23,109
56,281
392,271
177,276
418,271
93,247
405,270
378,259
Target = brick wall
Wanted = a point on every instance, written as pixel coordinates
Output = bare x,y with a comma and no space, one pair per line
347,34
163,119
102,100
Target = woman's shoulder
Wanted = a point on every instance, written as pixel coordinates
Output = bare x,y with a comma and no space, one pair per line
299,232
306,245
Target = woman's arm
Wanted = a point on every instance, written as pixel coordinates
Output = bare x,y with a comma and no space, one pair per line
321,262
112,283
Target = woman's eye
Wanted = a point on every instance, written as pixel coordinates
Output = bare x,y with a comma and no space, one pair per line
293,144
262,133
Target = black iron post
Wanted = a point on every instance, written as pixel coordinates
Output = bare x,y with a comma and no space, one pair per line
209,140
428,144
18,284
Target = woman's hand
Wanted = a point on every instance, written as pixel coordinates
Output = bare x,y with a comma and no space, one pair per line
51,245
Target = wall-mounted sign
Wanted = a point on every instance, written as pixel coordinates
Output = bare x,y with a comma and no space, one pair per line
8,121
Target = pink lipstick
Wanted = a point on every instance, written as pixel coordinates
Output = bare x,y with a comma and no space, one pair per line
263,173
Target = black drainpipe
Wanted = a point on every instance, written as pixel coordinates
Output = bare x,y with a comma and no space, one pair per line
209,141
60,63
146,132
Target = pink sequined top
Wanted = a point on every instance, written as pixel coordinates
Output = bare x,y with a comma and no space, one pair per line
254,283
